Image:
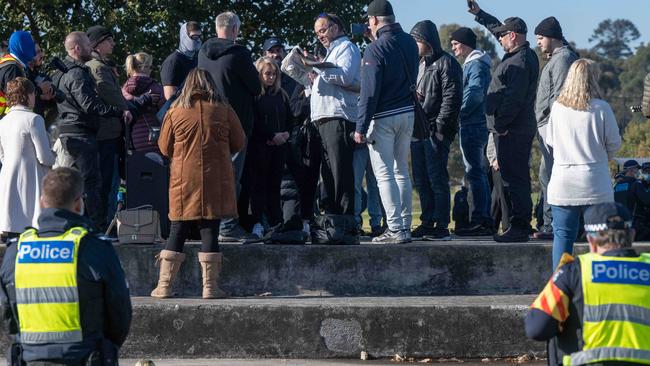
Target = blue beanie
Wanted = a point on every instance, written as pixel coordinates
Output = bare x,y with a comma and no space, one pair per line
22,46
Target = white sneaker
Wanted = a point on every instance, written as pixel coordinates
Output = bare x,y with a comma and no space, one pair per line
258,230
305,226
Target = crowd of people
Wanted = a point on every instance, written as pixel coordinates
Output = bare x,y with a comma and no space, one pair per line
255,155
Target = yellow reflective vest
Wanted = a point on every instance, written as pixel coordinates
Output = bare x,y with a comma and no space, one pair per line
4,61
46,287
616,319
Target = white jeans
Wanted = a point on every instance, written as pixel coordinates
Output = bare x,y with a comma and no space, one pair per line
389,156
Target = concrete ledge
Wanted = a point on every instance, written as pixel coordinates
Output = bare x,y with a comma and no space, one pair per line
424,269
464,327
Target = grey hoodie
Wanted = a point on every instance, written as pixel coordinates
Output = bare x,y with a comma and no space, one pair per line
551,80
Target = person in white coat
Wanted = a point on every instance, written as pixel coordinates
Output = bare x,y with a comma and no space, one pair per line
26,158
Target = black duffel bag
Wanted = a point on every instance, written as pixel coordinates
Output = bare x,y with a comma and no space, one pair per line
335,230
290,233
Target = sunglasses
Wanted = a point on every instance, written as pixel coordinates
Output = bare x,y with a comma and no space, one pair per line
195,37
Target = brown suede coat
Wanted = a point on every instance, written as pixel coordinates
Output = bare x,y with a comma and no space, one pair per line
199,142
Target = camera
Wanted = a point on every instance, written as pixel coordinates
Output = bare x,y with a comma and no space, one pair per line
358,29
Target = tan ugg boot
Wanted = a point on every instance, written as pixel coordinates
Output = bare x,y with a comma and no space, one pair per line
211,269
170,262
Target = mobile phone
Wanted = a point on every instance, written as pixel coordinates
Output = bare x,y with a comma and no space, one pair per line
358,28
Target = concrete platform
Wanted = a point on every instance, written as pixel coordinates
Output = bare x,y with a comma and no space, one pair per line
322,328
330,362
418,269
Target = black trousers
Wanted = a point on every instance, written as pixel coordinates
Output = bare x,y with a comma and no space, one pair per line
267,163
180,230
513,154
499,209
84,152
337,171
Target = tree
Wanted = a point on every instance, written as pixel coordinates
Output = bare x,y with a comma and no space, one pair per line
613,38
153,26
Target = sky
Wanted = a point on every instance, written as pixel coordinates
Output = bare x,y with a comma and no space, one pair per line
578,18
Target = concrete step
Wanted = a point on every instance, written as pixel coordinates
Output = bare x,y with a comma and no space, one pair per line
322,328
419,269
328,362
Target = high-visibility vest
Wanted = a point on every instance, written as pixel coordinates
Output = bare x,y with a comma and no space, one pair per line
4,61
46,287
616,319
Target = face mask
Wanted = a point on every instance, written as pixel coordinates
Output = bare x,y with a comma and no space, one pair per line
645,177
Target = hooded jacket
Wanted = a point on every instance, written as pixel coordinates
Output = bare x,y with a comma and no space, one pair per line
82,105
551,81
510,105
236,78
134,87
179,63
476,79
440,88
108,88
104,302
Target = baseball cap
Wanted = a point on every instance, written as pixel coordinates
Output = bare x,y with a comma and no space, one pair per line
379,8
272,42
631,164
513,24
604,216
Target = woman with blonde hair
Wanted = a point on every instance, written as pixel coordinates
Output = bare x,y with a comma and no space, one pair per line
199,134
26,158
144,130
582,136
267,149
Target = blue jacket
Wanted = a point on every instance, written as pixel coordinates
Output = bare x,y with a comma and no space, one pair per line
476,80
385,88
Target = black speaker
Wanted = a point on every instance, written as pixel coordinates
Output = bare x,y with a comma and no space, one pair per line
147,183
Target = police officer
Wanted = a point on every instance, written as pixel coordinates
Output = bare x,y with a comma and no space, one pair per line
63,294
628,190
642,205
596,307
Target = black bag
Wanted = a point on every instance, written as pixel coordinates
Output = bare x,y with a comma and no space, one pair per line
288,233
460,213
421,123
335,230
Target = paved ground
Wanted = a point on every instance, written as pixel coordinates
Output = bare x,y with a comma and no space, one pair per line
230,362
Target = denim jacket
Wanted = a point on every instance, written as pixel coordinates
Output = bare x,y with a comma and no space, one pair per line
335,90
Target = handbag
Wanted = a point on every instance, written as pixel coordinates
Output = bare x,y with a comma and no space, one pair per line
421,124
139,225
154,131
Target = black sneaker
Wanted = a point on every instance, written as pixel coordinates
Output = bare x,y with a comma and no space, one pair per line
392,237
439,233
513,235
422,230
376,231
239,235
476,230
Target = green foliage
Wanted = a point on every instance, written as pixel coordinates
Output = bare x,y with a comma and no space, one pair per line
153,25
613,38
636,140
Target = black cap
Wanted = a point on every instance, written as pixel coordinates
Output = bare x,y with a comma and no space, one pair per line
465,36
379,8
549,27
645,166
604,216
631,164
513,24
97,34
272,42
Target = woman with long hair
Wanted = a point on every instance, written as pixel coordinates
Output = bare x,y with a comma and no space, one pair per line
145,129
266,154
199,134
582,136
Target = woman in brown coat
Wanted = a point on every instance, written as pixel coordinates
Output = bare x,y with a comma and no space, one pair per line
200,133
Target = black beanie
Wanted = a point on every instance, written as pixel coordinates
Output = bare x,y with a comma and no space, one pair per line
96,34
465,36
549,27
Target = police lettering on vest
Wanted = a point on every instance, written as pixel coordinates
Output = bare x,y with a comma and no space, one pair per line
621,272
46,252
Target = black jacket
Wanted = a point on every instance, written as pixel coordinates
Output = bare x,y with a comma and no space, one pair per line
511,96
542,327
385,89
9,71
632,194
104,301
232,69
440,88
82,105
271,114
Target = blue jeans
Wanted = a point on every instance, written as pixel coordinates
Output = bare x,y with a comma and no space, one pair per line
108,167
431,179
362,166
566,221
229,224
473,140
